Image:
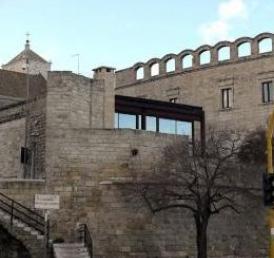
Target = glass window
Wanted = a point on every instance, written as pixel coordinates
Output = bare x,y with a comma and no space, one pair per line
167,126
267,92
127,121
151,123
226,98
184,128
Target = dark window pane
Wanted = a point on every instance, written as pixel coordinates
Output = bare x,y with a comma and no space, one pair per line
151,123
127,121
167,126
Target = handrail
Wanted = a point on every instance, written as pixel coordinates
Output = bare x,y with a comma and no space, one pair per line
85,237
18,211
19,204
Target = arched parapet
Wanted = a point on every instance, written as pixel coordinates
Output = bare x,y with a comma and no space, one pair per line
148,67
165,62
138,70
240,42
258,39
180,59
217,49
198,55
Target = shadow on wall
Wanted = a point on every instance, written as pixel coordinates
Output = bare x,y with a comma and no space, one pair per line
11,247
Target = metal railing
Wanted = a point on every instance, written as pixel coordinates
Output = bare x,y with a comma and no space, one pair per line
85,237
23,214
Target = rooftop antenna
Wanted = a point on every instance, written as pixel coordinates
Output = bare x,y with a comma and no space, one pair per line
78,62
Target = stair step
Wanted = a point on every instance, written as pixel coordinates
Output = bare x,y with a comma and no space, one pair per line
70,250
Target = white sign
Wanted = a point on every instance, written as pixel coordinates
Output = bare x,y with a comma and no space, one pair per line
47,201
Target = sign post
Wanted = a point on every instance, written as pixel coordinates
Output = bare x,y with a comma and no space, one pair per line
47,202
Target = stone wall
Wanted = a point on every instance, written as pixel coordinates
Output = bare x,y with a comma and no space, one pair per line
35,67
12,135
90,170
201,85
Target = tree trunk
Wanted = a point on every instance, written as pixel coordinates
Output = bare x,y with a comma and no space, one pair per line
201,237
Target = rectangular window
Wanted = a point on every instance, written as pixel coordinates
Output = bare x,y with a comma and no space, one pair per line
167,126
267,92
184,128
226,98
151,123
126,121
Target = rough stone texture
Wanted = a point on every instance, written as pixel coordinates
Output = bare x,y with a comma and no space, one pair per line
201,85
12,137
90,166
36,64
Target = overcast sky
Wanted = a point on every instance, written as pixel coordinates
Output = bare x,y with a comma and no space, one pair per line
122,32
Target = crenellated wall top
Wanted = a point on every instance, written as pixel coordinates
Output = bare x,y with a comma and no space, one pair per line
243,48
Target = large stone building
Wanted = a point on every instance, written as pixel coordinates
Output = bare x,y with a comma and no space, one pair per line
81,139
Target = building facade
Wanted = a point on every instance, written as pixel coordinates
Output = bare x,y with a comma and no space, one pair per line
232,81
66,126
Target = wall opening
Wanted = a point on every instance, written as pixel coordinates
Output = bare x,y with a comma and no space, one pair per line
265,45
204,57
154,69
139,73
170,65
244,49
187,61
223,53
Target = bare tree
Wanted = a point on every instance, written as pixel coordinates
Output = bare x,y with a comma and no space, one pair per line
202,179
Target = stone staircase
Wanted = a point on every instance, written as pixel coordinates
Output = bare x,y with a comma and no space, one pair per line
19,226
70,250
23,224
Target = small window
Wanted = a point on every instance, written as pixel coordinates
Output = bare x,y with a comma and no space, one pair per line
154,69
265,45
224,54
267,92
205,57
226,98
173,100
140,73
187,61
170,65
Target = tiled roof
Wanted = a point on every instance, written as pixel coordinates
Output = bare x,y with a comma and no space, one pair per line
13,84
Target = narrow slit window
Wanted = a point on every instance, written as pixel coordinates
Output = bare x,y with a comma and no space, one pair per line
227,100
267,92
